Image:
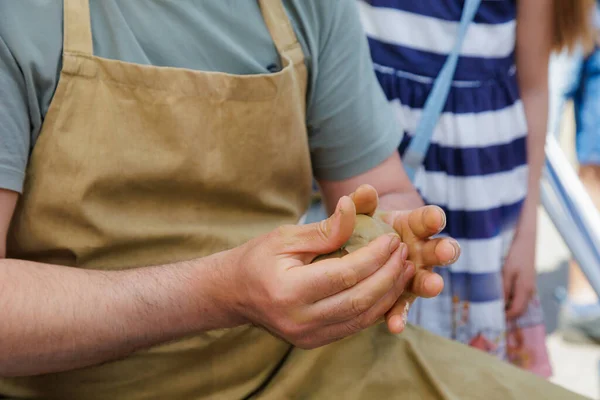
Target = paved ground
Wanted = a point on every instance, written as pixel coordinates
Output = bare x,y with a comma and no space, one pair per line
576,367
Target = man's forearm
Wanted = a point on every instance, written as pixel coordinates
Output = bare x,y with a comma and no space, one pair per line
395,190
58,318
408,200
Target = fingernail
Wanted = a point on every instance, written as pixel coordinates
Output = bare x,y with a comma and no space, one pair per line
456,254
444,222
394,242
339,209
405,313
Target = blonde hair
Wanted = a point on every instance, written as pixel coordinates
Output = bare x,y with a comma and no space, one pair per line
572,24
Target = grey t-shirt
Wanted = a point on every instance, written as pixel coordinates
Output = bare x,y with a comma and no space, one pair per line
350,124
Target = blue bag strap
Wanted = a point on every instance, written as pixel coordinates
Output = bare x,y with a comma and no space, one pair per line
416,151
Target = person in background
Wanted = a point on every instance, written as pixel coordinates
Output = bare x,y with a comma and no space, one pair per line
484,163
575,74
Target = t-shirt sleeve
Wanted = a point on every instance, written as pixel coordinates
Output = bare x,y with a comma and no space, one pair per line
351,126
14,122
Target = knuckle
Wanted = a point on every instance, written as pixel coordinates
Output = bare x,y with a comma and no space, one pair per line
292,293
347,278
368,320
291,330
276,236
360,304
353,326
280,297
323,229
280,231
328,314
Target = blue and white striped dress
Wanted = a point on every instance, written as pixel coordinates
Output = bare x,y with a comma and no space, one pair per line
476,167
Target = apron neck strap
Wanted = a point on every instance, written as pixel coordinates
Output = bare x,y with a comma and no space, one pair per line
280,28
77,35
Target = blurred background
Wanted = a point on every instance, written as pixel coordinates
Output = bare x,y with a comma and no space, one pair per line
576,365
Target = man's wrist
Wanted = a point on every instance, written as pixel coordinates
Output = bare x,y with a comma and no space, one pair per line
214,291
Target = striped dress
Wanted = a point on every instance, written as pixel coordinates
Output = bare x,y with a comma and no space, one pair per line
476,167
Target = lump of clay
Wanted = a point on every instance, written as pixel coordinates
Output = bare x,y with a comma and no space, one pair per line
366,229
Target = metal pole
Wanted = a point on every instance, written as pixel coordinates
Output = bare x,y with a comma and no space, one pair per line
572,211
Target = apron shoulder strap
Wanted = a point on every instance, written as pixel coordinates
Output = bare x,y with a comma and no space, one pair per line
281,30
77,27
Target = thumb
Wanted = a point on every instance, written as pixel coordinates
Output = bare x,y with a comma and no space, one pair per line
325,236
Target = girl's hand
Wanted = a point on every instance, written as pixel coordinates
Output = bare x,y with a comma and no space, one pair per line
519,274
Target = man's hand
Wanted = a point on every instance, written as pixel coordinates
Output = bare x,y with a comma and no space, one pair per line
415,228
310,305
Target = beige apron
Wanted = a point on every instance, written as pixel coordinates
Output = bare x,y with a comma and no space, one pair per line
139,165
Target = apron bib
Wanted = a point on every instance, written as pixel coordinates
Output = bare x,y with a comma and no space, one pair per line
141,165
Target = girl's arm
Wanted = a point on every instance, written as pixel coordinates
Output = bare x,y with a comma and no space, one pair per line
534,42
